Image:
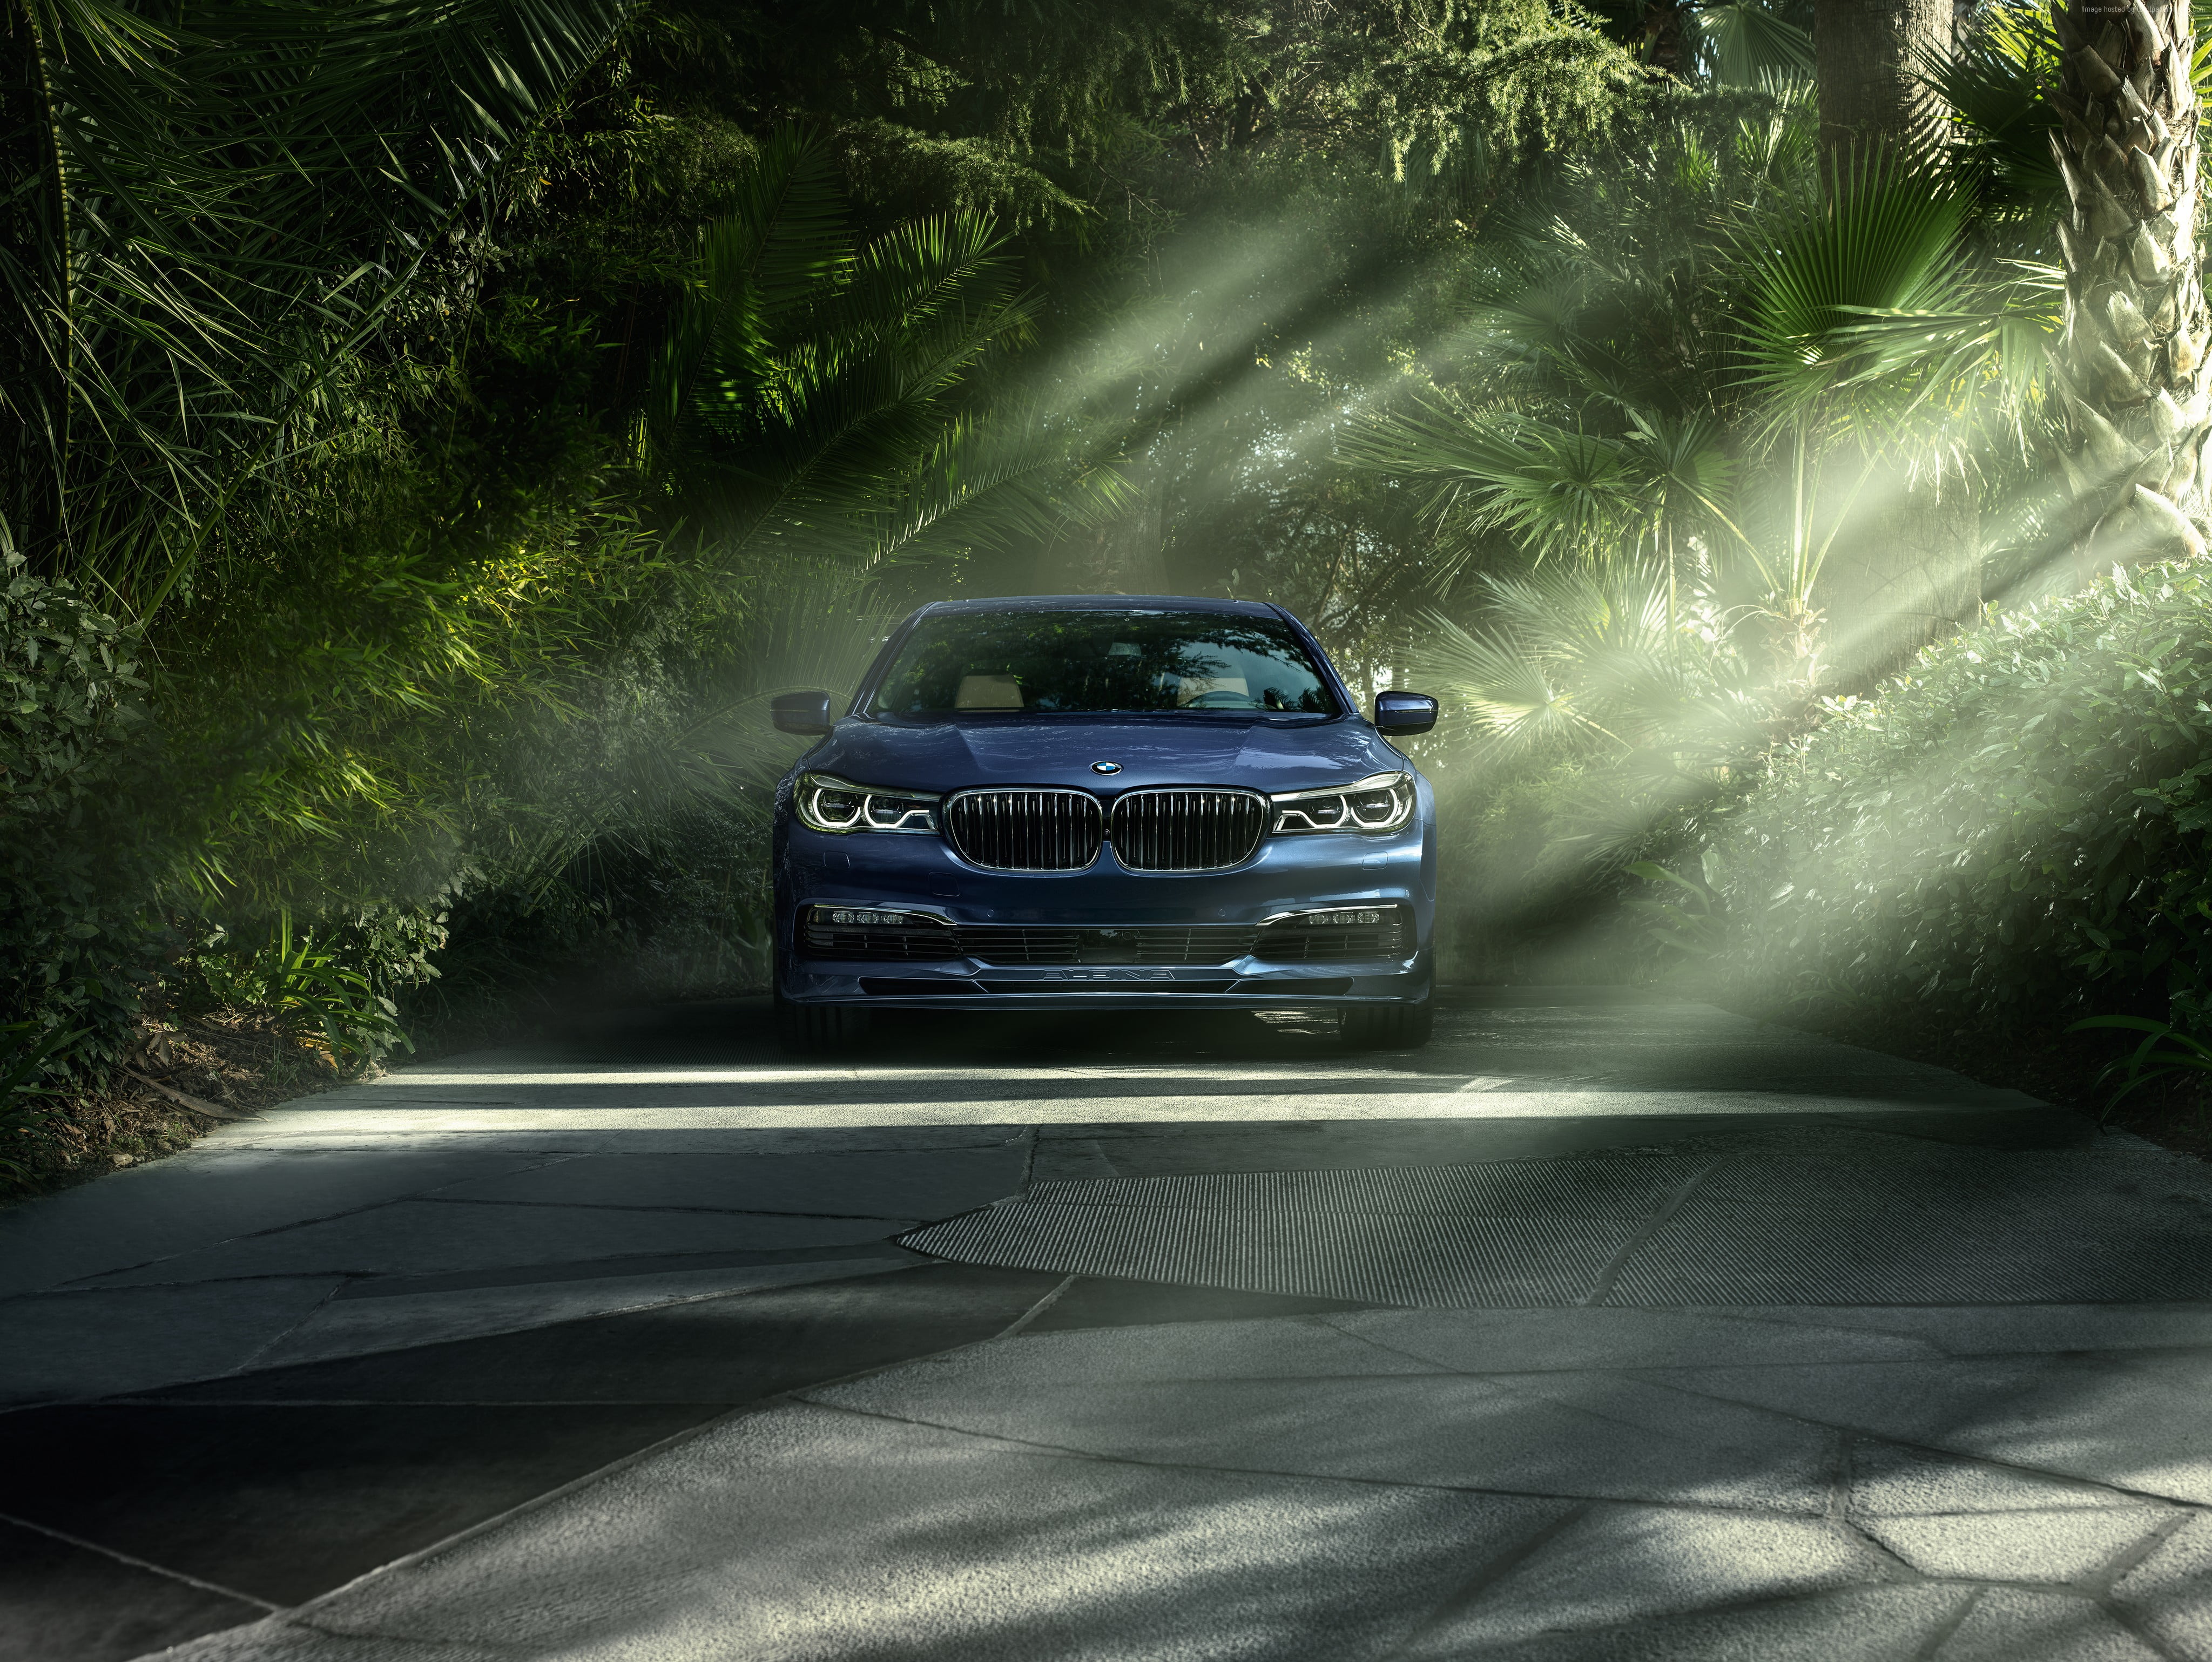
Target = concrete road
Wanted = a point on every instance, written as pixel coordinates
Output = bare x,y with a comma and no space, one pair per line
1602,1328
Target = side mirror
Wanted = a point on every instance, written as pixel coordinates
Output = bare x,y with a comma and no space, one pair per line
802,712
1404,712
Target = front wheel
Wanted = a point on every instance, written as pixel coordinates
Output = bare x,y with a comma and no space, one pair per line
820,1030
1388,1026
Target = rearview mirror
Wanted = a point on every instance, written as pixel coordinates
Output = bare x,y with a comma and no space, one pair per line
1404,712
802,712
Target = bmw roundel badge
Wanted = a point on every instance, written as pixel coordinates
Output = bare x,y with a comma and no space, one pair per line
1105,767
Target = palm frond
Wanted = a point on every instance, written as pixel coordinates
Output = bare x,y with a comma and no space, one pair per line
1883,239
807,399
1747,45
222,211
1992,85
1550,488
1515,702
778,251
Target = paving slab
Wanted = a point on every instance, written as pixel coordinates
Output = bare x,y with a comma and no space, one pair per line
363,1326
280,1501
2068,1544
2130,1422
60,1600
93,1343
2168,1595
1603,1328
1956,1330
1536,1341
1170,1355
1607,1438
1090,1301
1902,1480
211,1193
2005,1624
425,1237
1857,1624
1620,1566
730,1349
885,1184
1436,1259
810,1532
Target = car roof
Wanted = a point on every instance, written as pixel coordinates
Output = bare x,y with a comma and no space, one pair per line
1105,602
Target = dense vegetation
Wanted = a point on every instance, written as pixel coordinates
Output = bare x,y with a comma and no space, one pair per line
436,432
2014,832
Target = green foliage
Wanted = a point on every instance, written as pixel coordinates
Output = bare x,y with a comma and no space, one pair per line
1525,893
1587,662
218,222
1751,45
2163,1052
74,950
69,691
1679,914
25,1048
1992,85
1044,113
296,976
488,685
2016,827
1631,395
1880,239
806,394
461,422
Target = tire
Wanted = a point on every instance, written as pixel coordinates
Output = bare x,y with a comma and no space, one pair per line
820,1030
1388,1026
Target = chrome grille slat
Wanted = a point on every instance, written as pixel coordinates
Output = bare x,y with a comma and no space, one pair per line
1032,830
1188,828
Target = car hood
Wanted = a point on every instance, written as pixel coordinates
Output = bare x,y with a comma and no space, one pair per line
953,755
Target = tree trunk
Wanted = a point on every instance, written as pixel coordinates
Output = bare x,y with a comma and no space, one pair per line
2132,363
1866,65
1663,37
38,344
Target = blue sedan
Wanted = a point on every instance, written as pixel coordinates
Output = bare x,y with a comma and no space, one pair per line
1117,803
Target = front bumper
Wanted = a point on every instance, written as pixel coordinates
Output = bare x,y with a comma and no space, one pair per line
922,873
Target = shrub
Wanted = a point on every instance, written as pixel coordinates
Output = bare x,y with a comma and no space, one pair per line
2013,831
1529,880
72,962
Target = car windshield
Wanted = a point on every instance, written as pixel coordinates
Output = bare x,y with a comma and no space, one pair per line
1093,662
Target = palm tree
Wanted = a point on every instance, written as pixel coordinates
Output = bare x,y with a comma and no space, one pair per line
1739,42
2133,363
1871,57
1757,412
221,223
1575,661
809,393
808,421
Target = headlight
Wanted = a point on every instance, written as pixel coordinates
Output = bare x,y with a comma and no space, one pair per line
826,803
1382,803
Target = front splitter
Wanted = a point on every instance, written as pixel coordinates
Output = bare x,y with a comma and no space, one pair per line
1071,1001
